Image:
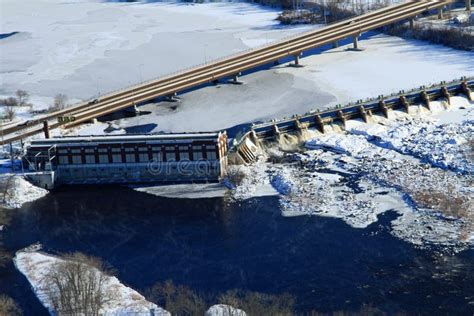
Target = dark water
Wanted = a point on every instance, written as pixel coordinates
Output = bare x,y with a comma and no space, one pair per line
212,245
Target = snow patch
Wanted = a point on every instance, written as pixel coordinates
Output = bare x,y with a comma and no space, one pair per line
35,265
18,191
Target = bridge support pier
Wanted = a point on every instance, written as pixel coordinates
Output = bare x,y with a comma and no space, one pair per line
335,44
172,98
355,43
468,5
45,129
297,61
412,23
235,79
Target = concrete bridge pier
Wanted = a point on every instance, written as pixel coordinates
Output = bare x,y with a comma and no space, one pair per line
412,23
335,44
355,43
45,129
468,5
173,97
235,79
297,60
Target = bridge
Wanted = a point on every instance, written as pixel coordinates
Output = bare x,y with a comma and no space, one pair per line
225,68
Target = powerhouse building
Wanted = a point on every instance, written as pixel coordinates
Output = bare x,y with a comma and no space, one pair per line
160,158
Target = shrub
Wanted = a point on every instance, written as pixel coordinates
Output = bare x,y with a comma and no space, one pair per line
8,307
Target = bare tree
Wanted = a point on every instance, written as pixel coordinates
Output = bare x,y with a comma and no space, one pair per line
8,307
9,102
60,102
9,109
178,300
76,285
9,113
22,97
254,303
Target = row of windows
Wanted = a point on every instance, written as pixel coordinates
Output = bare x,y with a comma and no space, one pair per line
140,149
131,157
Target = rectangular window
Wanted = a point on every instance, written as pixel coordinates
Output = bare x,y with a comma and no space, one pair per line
89,150
143,157
183,148
157,156
117,158
62,151
103,158
63,160
76,160
130,149
142,148
90,159
75,151
197,155
116,150
211,155
130,157
170,156
103,150
183,155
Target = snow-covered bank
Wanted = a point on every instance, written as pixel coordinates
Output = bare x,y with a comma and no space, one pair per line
17,191
124,300
418,165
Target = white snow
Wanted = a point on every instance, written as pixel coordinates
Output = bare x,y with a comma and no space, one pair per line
403,164
224,310
18,191
125,301
89,47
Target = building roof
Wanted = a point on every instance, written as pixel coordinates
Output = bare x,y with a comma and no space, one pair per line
95,139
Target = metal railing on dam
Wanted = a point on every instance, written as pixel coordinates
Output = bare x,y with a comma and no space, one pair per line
246,149
223,68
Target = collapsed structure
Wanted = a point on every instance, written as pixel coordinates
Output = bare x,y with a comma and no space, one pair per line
161,158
